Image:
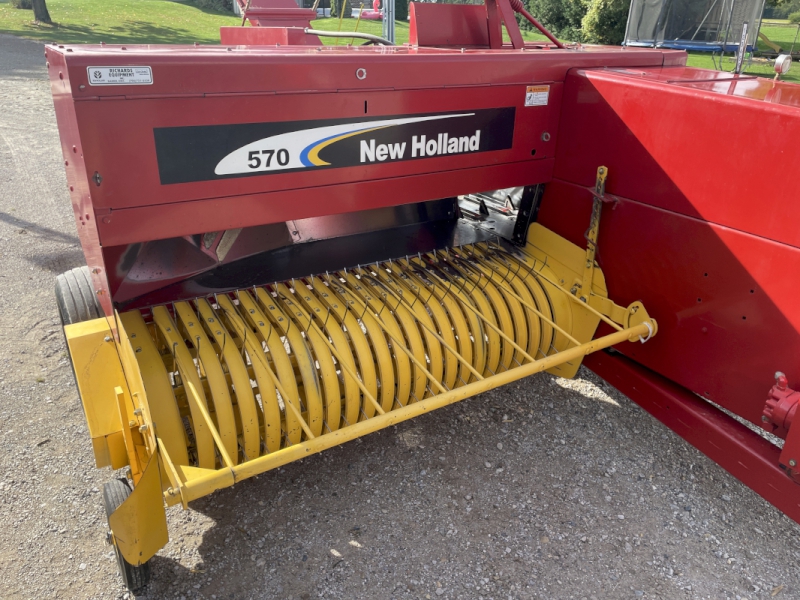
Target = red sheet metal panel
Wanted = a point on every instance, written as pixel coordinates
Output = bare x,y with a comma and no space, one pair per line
703,153
268,36
206,86
183,218
703,234
80,188
185,70
723,299
448,25
107,124
130,170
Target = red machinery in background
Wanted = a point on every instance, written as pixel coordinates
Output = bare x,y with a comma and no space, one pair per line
248,210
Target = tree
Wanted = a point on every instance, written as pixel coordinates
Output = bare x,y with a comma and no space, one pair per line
605,21
562,17
341,5
401,10
40,12
592,21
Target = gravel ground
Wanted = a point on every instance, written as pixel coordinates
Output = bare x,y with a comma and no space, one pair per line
544,489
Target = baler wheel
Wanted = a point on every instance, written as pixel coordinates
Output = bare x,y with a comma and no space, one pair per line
75,297
114,493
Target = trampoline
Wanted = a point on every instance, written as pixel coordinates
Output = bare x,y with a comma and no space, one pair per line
704,26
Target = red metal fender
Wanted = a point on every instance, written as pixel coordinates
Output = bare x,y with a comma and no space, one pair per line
742,452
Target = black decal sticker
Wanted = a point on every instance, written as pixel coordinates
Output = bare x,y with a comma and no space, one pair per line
205,153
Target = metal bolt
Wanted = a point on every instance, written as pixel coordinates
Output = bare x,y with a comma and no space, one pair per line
107,338
131,424
143,428
137,412
545,137
792,463
765,418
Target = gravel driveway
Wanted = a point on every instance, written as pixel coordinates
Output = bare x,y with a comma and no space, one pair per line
544,489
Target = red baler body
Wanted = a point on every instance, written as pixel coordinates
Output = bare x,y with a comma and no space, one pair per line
702,226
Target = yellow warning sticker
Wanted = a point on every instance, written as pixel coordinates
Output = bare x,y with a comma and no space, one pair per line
537,95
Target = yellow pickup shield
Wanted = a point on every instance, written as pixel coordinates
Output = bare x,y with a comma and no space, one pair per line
139,524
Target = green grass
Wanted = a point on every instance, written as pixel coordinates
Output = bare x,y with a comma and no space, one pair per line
153,22
758,66
783,36
118,22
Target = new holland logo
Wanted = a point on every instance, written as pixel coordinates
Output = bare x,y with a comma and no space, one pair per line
203,153
299,149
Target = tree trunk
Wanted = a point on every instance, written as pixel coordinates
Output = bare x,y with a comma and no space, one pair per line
40,12
341,5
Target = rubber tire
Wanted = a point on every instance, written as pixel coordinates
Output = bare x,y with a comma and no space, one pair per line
135,578
75,297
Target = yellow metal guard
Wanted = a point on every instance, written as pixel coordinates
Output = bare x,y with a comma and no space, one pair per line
216,390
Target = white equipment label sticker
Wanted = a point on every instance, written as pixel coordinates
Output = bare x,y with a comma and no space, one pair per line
120,75
537,95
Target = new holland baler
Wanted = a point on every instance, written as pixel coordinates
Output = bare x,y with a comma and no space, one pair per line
292,245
